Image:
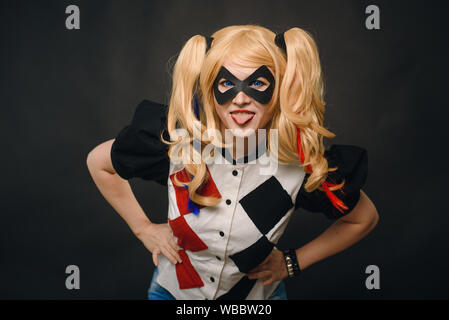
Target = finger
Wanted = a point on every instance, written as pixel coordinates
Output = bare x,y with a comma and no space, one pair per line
178,257
173,244
260,275
169,255
173,252
269,281
155,255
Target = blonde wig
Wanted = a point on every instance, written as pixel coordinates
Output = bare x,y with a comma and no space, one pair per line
297,101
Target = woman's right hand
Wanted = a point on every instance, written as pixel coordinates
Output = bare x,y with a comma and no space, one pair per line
158,238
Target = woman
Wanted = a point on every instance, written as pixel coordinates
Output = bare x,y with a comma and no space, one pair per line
231,191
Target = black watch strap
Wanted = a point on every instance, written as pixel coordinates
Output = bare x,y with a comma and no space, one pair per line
291,263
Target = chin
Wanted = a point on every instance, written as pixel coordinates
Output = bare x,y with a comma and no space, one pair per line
243,132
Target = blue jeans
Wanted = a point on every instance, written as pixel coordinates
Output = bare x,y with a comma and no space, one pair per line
156,292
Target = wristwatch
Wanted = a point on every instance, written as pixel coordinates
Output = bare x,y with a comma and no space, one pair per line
291,262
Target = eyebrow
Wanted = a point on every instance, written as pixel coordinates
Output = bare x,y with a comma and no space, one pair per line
229,75
224,78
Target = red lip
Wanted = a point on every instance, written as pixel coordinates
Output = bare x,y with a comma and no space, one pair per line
242,111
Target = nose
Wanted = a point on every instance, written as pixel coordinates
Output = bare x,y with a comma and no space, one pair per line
241,99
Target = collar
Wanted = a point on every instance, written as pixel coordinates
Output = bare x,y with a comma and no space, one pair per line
259,150
253,153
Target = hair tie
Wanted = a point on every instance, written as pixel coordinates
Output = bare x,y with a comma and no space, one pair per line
280,41
208,42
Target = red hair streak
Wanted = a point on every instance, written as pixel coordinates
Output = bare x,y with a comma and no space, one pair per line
337,203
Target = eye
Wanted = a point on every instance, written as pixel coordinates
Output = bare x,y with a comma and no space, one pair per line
259,84
226,83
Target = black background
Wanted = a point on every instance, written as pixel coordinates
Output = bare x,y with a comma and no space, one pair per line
65,91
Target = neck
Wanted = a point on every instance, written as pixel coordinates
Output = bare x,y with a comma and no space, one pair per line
242,146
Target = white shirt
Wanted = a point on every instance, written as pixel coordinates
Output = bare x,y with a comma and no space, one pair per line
239,232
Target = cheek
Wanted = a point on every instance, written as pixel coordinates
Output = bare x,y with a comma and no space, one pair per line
263,113
265,117
221,111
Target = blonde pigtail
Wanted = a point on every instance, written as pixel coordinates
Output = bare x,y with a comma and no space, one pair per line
302,105
181,115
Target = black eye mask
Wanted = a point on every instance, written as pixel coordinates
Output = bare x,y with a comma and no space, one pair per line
262,97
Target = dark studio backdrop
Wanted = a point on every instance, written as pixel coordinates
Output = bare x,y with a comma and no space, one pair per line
65,91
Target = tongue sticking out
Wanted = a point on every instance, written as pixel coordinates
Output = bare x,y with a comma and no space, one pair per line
241,117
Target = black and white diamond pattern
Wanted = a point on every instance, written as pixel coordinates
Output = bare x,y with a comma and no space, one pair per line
266,205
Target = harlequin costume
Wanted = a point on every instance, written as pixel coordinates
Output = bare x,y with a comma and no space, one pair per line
221,243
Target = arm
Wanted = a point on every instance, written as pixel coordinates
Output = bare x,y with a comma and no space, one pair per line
118,193
114,189
346,231
343,233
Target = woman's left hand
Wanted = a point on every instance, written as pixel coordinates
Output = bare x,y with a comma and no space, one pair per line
272,269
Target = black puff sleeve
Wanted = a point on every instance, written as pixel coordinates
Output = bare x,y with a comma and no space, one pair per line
352,163
138,151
